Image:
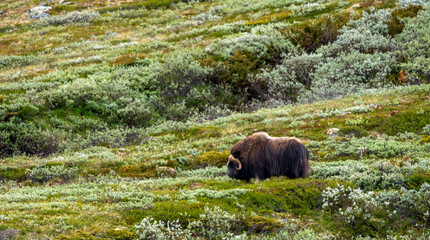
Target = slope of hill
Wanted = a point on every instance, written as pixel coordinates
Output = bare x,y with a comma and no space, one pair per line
370,179
116,118
98,74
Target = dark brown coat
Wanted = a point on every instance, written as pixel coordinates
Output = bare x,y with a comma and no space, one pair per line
261,156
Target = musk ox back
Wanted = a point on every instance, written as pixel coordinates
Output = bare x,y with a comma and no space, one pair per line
261,156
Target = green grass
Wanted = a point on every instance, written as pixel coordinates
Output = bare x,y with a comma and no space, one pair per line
83,168
117,200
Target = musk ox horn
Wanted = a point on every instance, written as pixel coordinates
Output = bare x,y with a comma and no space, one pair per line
233,159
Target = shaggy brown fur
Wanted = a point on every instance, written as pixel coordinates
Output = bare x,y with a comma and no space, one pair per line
262,156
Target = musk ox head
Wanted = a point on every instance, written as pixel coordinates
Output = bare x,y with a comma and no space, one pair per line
261,156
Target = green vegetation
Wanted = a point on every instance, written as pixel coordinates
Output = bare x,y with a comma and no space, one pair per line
117,117
128,190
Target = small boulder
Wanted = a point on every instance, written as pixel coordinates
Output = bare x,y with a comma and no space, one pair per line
39,12
64,2
332,132
167,170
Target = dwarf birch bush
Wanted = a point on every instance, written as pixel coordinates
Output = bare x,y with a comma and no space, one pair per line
355,206
291,78
374,21
414,44
384,147
426,129
17,61
150,229
43,174
204,172
379,175
214,13
256,42
216,223
355,68
360,58
406,3
207,193
70,18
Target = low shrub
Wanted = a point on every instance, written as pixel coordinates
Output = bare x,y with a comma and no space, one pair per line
128,59
260,224
43,174
94,233
18,137
216,223
150,229
370,146
311,34
211,158
414,42
17,61
9,234
137,171
290,78
70,18
261,41
183,211
379,175
370,213
426,129
300,196
356,68
396,24
407,121
417,179
156,4
12,173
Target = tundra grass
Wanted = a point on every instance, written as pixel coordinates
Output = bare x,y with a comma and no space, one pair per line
103,192
111,190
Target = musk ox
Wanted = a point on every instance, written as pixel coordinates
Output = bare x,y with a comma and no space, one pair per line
261,156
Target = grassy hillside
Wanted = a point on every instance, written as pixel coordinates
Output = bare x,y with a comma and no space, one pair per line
96,73
116,118
370,178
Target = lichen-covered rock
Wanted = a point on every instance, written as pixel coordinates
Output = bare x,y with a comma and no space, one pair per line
332,132
39,12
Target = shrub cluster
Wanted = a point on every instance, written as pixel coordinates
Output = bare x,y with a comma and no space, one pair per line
379,175
215,223
414,42
43,174
69,18
266,66
366,212
383,147
29,138
17,61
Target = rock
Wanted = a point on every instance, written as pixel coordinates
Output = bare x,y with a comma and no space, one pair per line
196,185
355,6
122,229
145,140
39,12
1,12
394,113
122,152
168,170
332,132
63,2
345,113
